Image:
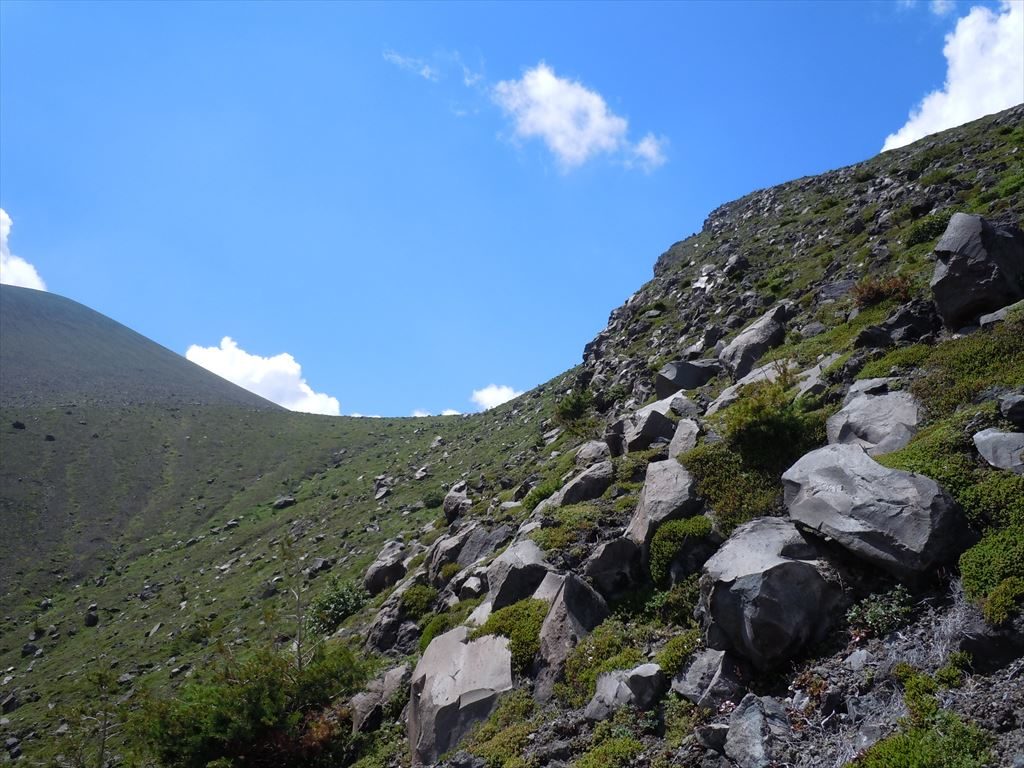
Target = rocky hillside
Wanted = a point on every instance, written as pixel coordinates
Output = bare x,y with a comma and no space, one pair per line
776,518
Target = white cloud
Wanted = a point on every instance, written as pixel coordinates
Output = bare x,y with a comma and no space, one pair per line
984,73
941,7
573,121
492,395
451,412
412,64
419,413
277,378
649,152
365,415
14,270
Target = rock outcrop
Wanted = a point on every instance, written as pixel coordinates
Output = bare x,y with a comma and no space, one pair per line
753,341
879,423
668,494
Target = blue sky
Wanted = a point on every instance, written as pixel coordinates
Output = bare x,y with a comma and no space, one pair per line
415,201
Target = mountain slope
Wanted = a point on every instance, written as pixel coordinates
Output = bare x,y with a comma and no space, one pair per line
199,563
54,350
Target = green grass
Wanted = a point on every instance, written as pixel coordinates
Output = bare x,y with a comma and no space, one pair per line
520,623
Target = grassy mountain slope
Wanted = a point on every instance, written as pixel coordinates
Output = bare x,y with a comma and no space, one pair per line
180,550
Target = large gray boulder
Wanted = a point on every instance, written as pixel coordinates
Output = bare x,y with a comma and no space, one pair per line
641,687
685,437
456,501
767,594
901,522
515,574
877,423
685,374
387,569
1011,406
979,268
446,550
754,727
455,685
575,610
481,542
614,566
589,484
757,338
390,631
592,452
669,493
1003,450
645,427
713,678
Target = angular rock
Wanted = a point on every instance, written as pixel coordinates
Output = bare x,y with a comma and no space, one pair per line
753,341
685,437
591,453
368,706
456,501
446,550
1012,408
640,687
614,567
754,726
455,685
877,423
645,427
283,502
481,542
669,493
386,632
575,610
903,523
587,485
980,268
713,678
1000,315
685,374
387,570
766,594
1003,450
515,573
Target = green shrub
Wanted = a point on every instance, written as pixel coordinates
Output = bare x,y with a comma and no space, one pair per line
734,492
632,467
570,523
573,407
676,606
433,499
612,645
948,742
1004,601
929,228
998,556
669,540
880,614
678,650
873,290
520,623
417,601
951,674
339,600
264,710
769,429
613,753
910,357
538,493
936,177
501,739
449,571
680,717
438,625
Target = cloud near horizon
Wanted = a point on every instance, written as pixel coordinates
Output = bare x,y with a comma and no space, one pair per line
984,73
14,270
573,121
277,378
493,395
412,64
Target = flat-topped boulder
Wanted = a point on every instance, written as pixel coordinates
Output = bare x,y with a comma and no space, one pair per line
1002,450
901,522
685,374
879,423
515,574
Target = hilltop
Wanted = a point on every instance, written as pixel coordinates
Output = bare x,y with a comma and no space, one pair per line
773,518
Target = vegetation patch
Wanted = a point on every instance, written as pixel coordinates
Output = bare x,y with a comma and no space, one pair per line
677,650
566,525
907,358
339,600
997,557
501,739
929,228
619,752
734,492
873,290
417,601
520,623
612,645
670,539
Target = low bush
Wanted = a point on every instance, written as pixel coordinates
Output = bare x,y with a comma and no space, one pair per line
928,228
433,499
1004,601
677,650
873,290
911,357
449,571
997,557
262,711
417,601
669,540
520,623
538,493
619,752
880,614
339,600
569,523
573,407
734,492
948,742
612,645
501,739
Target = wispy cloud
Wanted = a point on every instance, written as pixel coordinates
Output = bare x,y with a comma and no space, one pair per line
493,395
941,7
14,270
573,121
412,64
984,73
419,413
278,378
